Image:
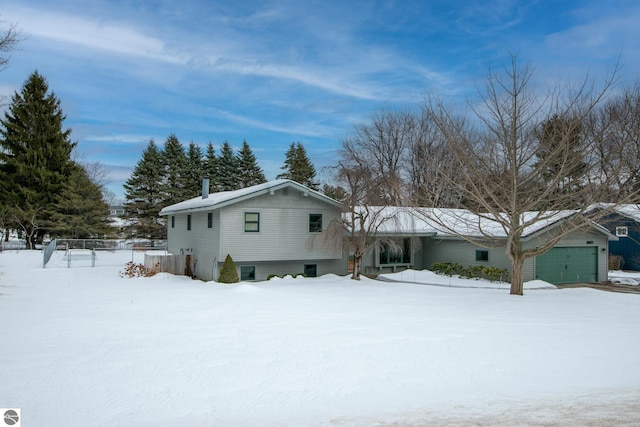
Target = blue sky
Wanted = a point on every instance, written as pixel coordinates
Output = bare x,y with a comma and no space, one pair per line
281,71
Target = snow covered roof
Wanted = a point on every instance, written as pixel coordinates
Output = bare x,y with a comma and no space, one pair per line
224,198
630,210
443,222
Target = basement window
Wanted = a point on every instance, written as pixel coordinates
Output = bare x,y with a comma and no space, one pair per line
311,270
247,273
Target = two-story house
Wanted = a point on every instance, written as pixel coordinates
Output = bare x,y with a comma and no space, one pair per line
270,228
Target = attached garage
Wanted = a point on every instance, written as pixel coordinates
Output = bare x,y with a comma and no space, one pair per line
563,265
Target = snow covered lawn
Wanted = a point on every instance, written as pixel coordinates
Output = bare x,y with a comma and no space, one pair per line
83,346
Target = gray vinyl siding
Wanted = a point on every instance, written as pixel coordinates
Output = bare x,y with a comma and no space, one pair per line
201,242
284,229
281,268
207,245
461,252
282,246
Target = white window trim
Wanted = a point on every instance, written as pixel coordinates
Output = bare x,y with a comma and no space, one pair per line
622,231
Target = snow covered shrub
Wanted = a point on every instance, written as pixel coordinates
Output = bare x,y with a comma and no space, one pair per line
228,273
132,269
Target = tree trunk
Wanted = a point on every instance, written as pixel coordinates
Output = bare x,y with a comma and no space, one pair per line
357,265
517,275
31,241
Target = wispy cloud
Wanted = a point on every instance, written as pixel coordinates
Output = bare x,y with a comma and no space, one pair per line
91,33
340,64
306,129
122,139
280,70
599,33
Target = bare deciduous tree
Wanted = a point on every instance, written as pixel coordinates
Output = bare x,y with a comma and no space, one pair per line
8,41
617,126
380,149
501,174
430,157
391,162
363,219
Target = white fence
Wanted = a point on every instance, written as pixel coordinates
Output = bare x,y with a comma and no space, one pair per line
13,245
112,245
96,253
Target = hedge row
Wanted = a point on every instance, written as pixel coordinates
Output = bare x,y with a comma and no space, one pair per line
271,276
492,274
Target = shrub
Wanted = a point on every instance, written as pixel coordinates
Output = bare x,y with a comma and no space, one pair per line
228,273
616,262
471,272
132,269
294,276
494,274
446,268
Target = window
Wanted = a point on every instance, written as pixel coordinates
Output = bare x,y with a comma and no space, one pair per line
482,255
399,253
248,272
315,223
210,220
311,270
188,222
252,222
622,231
173,222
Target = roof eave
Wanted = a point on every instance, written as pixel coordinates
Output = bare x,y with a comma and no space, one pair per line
258,192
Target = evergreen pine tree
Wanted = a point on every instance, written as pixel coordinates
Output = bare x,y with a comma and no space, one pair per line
305,171
289,163
144,195
228,272
336,193
211,168
228,169
175,165
194,171
249,171
297,167
81,212
35,158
